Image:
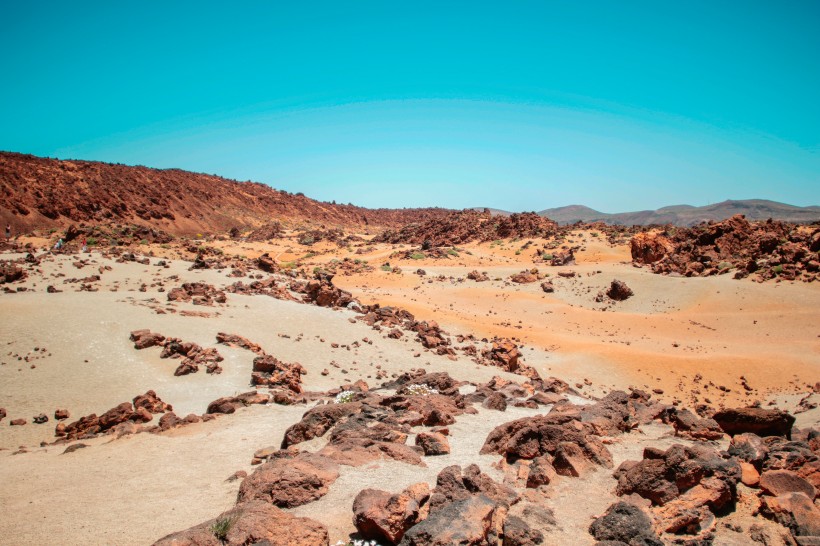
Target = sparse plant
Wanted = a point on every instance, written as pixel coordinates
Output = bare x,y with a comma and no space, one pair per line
724,265
778,269
344,397
417,256
357,542
452,252
386,267
143,241
92,241
421,389
546,256
222,526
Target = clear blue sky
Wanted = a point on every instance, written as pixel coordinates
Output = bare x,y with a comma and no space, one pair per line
515,105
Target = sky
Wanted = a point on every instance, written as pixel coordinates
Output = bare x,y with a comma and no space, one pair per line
520,106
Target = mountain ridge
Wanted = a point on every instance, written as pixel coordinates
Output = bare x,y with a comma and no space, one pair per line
688,215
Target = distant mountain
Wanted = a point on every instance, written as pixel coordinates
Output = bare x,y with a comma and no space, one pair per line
687,215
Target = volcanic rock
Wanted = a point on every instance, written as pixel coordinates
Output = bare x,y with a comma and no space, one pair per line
289,482
759,421
254,522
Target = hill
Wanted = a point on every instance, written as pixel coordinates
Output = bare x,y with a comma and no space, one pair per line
687,215
38,192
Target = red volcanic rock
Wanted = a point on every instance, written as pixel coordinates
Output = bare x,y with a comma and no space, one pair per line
270,371
290,482
41,192
145,338
496,401
470,225
453,484
524,277
619,291
780,482
10,272
266,263
383,517
2,413
541,472
151,402
770,249
547,287
504,354
467,521
317,421
323,293
229,404
648,248
198,293
477,277
624,523
17,422
795,511
433,443
254,522
759,421
233,340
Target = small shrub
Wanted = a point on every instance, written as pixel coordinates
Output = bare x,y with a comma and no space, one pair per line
452,252
92,241
724,265
546,256
421,389
417,256
778,269
143,241
344,397
386,267
222,526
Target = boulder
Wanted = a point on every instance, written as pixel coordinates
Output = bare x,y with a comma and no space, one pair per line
317,421
289,482
151,402
762,422
619,291
254,522
464,522
624,522
433,443
795,511
781,482
647,248
518,532
383,517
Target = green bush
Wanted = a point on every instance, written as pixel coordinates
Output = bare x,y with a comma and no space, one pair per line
222,526
417,256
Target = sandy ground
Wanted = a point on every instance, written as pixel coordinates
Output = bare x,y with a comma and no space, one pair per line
138,488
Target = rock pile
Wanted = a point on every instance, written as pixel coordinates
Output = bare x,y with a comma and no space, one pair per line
470,225
770,249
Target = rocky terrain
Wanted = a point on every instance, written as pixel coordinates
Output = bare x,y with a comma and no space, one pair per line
44,193
285,387
768,250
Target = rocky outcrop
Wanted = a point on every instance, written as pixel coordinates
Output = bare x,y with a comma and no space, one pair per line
470,225
254,522
141,410
269,371
198,293
233,340
770,249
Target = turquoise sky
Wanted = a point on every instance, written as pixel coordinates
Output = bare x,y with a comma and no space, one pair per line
515,105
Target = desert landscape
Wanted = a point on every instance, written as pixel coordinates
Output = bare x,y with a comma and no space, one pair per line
232,364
